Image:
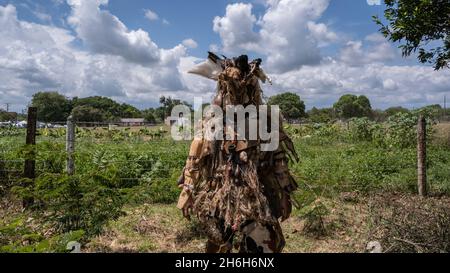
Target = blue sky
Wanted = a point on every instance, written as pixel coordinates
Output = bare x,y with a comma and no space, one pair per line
193,19
135,51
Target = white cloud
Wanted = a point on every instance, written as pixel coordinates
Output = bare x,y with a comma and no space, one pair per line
151,15
287,34
236,28
373,49
190,43
214,48
323,84
36,57
321,33
104,33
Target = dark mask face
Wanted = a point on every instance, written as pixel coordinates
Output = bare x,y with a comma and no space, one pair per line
241,63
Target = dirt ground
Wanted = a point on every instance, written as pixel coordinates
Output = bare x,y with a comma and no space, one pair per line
442,133
160,228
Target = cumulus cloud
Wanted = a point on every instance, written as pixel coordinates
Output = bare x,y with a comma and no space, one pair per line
236,28
385,85
151,15
104,33
378,50
36,57
287,32
321,33
190,43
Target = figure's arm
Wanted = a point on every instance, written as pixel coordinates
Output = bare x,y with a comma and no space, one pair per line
189,178
285,180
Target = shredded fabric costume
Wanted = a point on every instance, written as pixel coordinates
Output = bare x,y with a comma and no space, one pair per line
238,192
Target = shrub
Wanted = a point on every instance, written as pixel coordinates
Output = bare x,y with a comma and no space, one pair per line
361,129
402,130
72,203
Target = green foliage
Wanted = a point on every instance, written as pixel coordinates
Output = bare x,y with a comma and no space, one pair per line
401,130
36,243
361,129
103,109
167,104
10,131
350,106
395,110
52,106
73,203
150,116
88,113
417,24
432,112
324,115
291,106
22,235
313,216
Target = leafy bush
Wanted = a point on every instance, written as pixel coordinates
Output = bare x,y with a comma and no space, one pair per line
402,130
361,129
72,203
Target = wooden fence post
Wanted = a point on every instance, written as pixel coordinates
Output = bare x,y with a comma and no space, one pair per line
30,163
70,146
422,156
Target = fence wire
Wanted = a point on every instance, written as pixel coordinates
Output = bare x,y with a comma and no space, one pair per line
86,147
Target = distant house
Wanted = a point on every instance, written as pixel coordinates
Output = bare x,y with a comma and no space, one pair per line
132,122
8,116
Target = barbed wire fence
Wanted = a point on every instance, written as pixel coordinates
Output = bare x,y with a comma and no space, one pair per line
69,141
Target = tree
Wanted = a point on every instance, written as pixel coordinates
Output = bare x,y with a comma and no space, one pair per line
350,106
150,115
291,106
394,110
86,113
51,106
167,105
110,108
379,115
419,25
320,115
434,111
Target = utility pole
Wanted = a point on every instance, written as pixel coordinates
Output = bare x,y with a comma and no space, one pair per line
7,106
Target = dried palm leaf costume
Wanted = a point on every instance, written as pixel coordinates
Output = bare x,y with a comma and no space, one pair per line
238,192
